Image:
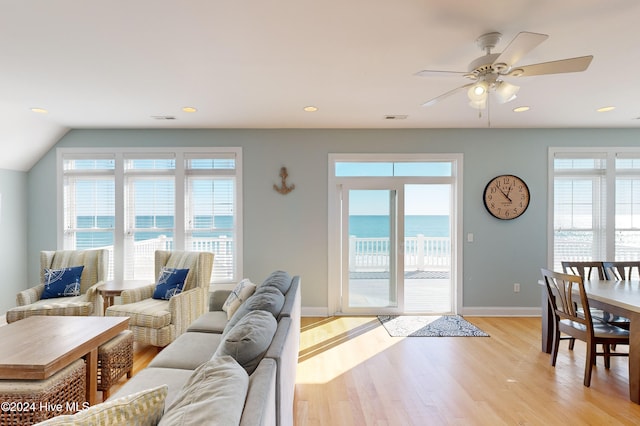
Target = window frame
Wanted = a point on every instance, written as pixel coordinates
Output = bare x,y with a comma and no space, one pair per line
181,154
605,198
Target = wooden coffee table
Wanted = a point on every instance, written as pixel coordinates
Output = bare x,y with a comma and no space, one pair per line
39,346
110,289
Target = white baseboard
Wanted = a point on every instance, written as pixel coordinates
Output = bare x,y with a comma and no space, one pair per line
314,312
497,311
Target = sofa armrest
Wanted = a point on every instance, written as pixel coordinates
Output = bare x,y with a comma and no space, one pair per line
186,307
30,295
137,294
284,350
260,404
217,299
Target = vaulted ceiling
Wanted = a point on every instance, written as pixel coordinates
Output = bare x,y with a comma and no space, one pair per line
257,64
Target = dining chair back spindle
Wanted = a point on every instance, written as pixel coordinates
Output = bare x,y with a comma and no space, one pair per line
622,270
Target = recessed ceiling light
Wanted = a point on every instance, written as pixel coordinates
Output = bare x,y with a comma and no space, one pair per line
39,110
606,109
310,108
521,109
189,109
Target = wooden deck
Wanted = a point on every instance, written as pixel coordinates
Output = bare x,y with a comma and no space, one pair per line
425,292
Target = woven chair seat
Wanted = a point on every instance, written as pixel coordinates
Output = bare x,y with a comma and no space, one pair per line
38,400
115,359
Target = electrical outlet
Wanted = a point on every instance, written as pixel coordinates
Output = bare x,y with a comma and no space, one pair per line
516,288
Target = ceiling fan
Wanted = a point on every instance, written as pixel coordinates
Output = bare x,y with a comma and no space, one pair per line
487,72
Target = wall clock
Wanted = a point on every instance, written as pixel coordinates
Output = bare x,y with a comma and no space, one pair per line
506,197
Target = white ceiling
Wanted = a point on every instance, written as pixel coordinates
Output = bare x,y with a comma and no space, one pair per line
257,63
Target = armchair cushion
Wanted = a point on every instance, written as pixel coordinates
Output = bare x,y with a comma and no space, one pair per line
152,313
62,282
170,283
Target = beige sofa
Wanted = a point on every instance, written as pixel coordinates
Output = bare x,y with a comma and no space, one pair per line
262,336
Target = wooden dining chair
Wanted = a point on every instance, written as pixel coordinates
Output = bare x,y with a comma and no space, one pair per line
565,292
621,270
589,270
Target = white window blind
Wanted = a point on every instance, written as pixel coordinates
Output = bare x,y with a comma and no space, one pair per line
171,200
89,203
596,205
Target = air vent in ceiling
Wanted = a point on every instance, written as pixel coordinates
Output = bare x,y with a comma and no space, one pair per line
395,117
163,117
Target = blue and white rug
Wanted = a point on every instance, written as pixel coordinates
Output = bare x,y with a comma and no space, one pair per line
429,326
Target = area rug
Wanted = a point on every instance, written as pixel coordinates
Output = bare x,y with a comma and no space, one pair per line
429,326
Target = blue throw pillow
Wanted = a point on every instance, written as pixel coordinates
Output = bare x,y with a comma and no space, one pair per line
62,282
170,283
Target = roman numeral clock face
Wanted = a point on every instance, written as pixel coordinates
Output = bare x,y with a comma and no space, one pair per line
506,197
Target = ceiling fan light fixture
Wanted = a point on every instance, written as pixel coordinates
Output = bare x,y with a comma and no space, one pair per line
480,104
478,92
506,92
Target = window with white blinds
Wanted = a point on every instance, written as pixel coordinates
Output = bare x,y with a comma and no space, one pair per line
134,202
595,204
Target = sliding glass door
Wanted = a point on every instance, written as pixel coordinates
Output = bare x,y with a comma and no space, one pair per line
392,232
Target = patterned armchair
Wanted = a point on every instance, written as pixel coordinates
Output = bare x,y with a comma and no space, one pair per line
89,302
158,322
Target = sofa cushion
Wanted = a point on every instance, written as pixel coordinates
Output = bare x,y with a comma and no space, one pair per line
62,282
141,408
249,339
188,351
239,294
278,279
173,378
151,313
210,322
269,299
214,395
170,282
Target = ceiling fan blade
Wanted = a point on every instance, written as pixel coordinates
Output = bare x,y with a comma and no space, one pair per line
427,73
554,67
521,44
446,95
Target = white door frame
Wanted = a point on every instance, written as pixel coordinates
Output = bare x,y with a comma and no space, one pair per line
334,285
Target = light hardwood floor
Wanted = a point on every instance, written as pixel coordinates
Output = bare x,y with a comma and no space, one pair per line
351,372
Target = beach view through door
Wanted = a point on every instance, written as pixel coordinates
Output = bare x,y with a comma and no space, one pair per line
408,274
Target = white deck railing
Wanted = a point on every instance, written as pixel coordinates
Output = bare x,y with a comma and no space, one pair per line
141,264
420,253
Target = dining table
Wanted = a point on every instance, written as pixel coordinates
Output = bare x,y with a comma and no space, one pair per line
619,297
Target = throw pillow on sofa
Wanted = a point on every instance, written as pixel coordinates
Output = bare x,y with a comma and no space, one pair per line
278,279
249,339
170,282
142,408
62,282
213,395
268,299
239,294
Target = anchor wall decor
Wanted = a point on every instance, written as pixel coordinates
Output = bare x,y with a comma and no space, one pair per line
283,188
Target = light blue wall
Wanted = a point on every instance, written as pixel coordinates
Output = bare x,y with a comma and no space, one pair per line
13,234
290,232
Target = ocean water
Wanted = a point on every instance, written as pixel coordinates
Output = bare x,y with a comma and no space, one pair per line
378,226
90,238
370,226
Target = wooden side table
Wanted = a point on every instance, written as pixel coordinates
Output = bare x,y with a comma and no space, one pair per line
111,289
